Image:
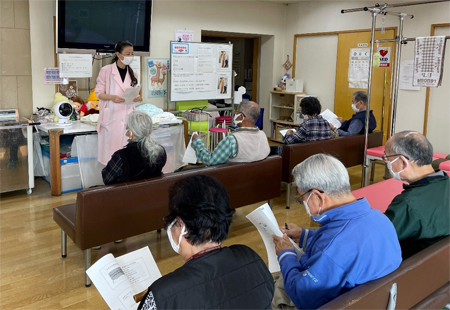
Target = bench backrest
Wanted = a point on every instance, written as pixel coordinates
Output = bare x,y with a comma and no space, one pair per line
109,213
349,150
417,278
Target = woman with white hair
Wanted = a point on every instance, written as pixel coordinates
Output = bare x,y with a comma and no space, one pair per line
141,158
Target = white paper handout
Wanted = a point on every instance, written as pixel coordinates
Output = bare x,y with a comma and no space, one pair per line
130,94
331,118
189,155
119,279
267,226
283,132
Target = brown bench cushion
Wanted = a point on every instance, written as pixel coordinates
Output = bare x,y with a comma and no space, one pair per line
108,213
349,150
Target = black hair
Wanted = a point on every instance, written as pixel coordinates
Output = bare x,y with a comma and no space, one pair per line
119,48
310,106
202,203
360,96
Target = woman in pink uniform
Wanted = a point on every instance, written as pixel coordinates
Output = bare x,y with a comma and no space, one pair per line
112,81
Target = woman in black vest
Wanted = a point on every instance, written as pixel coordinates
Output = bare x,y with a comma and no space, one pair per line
141,158
213,277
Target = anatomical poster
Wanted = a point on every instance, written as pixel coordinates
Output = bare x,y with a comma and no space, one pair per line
157,69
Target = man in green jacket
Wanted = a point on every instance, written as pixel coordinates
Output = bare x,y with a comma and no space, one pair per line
420,214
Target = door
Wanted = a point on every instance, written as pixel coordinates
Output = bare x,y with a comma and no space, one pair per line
381,78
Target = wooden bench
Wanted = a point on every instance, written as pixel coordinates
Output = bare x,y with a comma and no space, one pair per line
422,282
349,150
108,213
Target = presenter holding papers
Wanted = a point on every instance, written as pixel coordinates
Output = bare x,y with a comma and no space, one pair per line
115,84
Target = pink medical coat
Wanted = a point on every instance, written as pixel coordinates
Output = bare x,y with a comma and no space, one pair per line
111,122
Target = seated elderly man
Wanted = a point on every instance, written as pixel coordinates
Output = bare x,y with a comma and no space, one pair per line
420,214
356,124
245,144
355,244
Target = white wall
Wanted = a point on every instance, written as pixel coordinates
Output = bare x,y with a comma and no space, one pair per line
312,17
244,17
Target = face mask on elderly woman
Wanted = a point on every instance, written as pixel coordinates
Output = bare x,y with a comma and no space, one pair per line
175,247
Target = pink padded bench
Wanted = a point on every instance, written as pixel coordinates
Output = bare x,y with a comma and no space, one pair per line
380,195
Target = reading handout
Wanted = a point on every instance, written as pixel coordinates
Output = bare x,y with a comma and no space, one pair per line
331,118
130,94
267,225
119,279
283,132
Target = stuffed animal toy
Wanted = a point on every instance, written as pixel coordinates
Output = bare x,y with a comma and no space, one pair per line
93,104
282,85
58,97
79,107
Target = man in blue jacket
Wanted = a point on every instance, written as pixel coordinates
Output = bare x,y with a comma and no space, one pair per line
356,124
355,244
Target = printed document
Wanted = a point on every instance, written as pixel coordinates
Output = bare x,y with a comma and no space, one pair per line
266,223
283,132
331,118
119,279
130,94
189,156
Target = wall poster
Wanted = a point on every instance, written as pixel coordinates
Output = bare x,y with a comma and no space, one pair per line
157,69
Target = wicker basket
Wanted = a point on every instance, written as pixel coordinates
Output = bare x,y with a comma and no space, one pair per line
196,115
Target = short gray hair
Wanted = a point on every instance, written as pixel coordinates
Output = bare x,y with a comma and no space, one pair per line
322,172
360,96
251,110
141,125
414,145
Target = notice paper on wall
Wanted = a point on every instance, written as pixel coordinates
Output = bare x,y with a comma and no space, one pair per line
406,76
266,223
358,68
75,65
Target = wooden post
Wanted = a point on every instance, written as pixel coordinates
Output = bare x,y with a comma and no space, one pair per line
55,166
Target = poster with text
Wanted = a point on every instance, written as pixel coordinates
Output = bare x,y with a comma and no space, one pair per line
157,69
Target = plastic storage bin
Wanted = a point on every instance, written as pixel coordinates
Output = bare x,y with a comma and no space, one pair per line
70,173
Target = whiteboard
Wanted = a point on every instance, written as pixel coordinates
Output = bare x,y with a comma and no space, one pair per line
200,71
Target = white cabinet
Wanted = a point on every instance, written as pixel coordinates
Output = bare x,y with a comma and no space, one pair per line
283,112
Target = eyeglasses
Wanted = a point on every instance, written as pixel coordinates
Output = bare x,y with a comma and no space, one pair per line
299,199
385,157
239,112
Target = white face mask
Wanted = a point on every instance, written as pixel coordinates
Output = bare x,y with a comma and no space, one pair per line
175,247
305,204
354,108
395,175
305,117
235,121
127,60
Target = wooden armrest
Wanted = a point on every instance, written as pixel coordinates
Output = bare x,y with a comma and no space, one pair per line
138,296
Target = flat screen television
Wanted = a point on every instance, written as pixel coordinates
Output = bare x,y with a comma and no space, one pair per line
97,25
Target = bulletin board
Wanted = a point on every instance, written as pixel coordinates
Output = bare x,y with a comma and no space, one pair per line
200,71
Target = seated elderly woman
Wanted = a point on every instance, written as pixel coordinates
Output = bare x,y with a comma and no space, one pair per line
315,127
141,158
213,276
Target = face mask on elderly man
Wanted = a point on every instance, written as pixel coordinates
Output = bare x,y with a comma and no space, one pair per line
395,175
236,122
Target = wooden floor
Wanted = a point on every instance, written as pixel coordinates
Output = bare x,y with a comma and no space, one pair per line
34,276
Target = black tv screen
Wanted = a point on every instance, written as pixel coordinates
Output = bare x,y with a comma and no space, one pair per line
99,24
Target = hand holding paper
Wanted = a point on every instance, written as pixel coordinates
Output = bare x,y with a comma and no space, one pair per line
189,155
130,94
331,118
284,131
